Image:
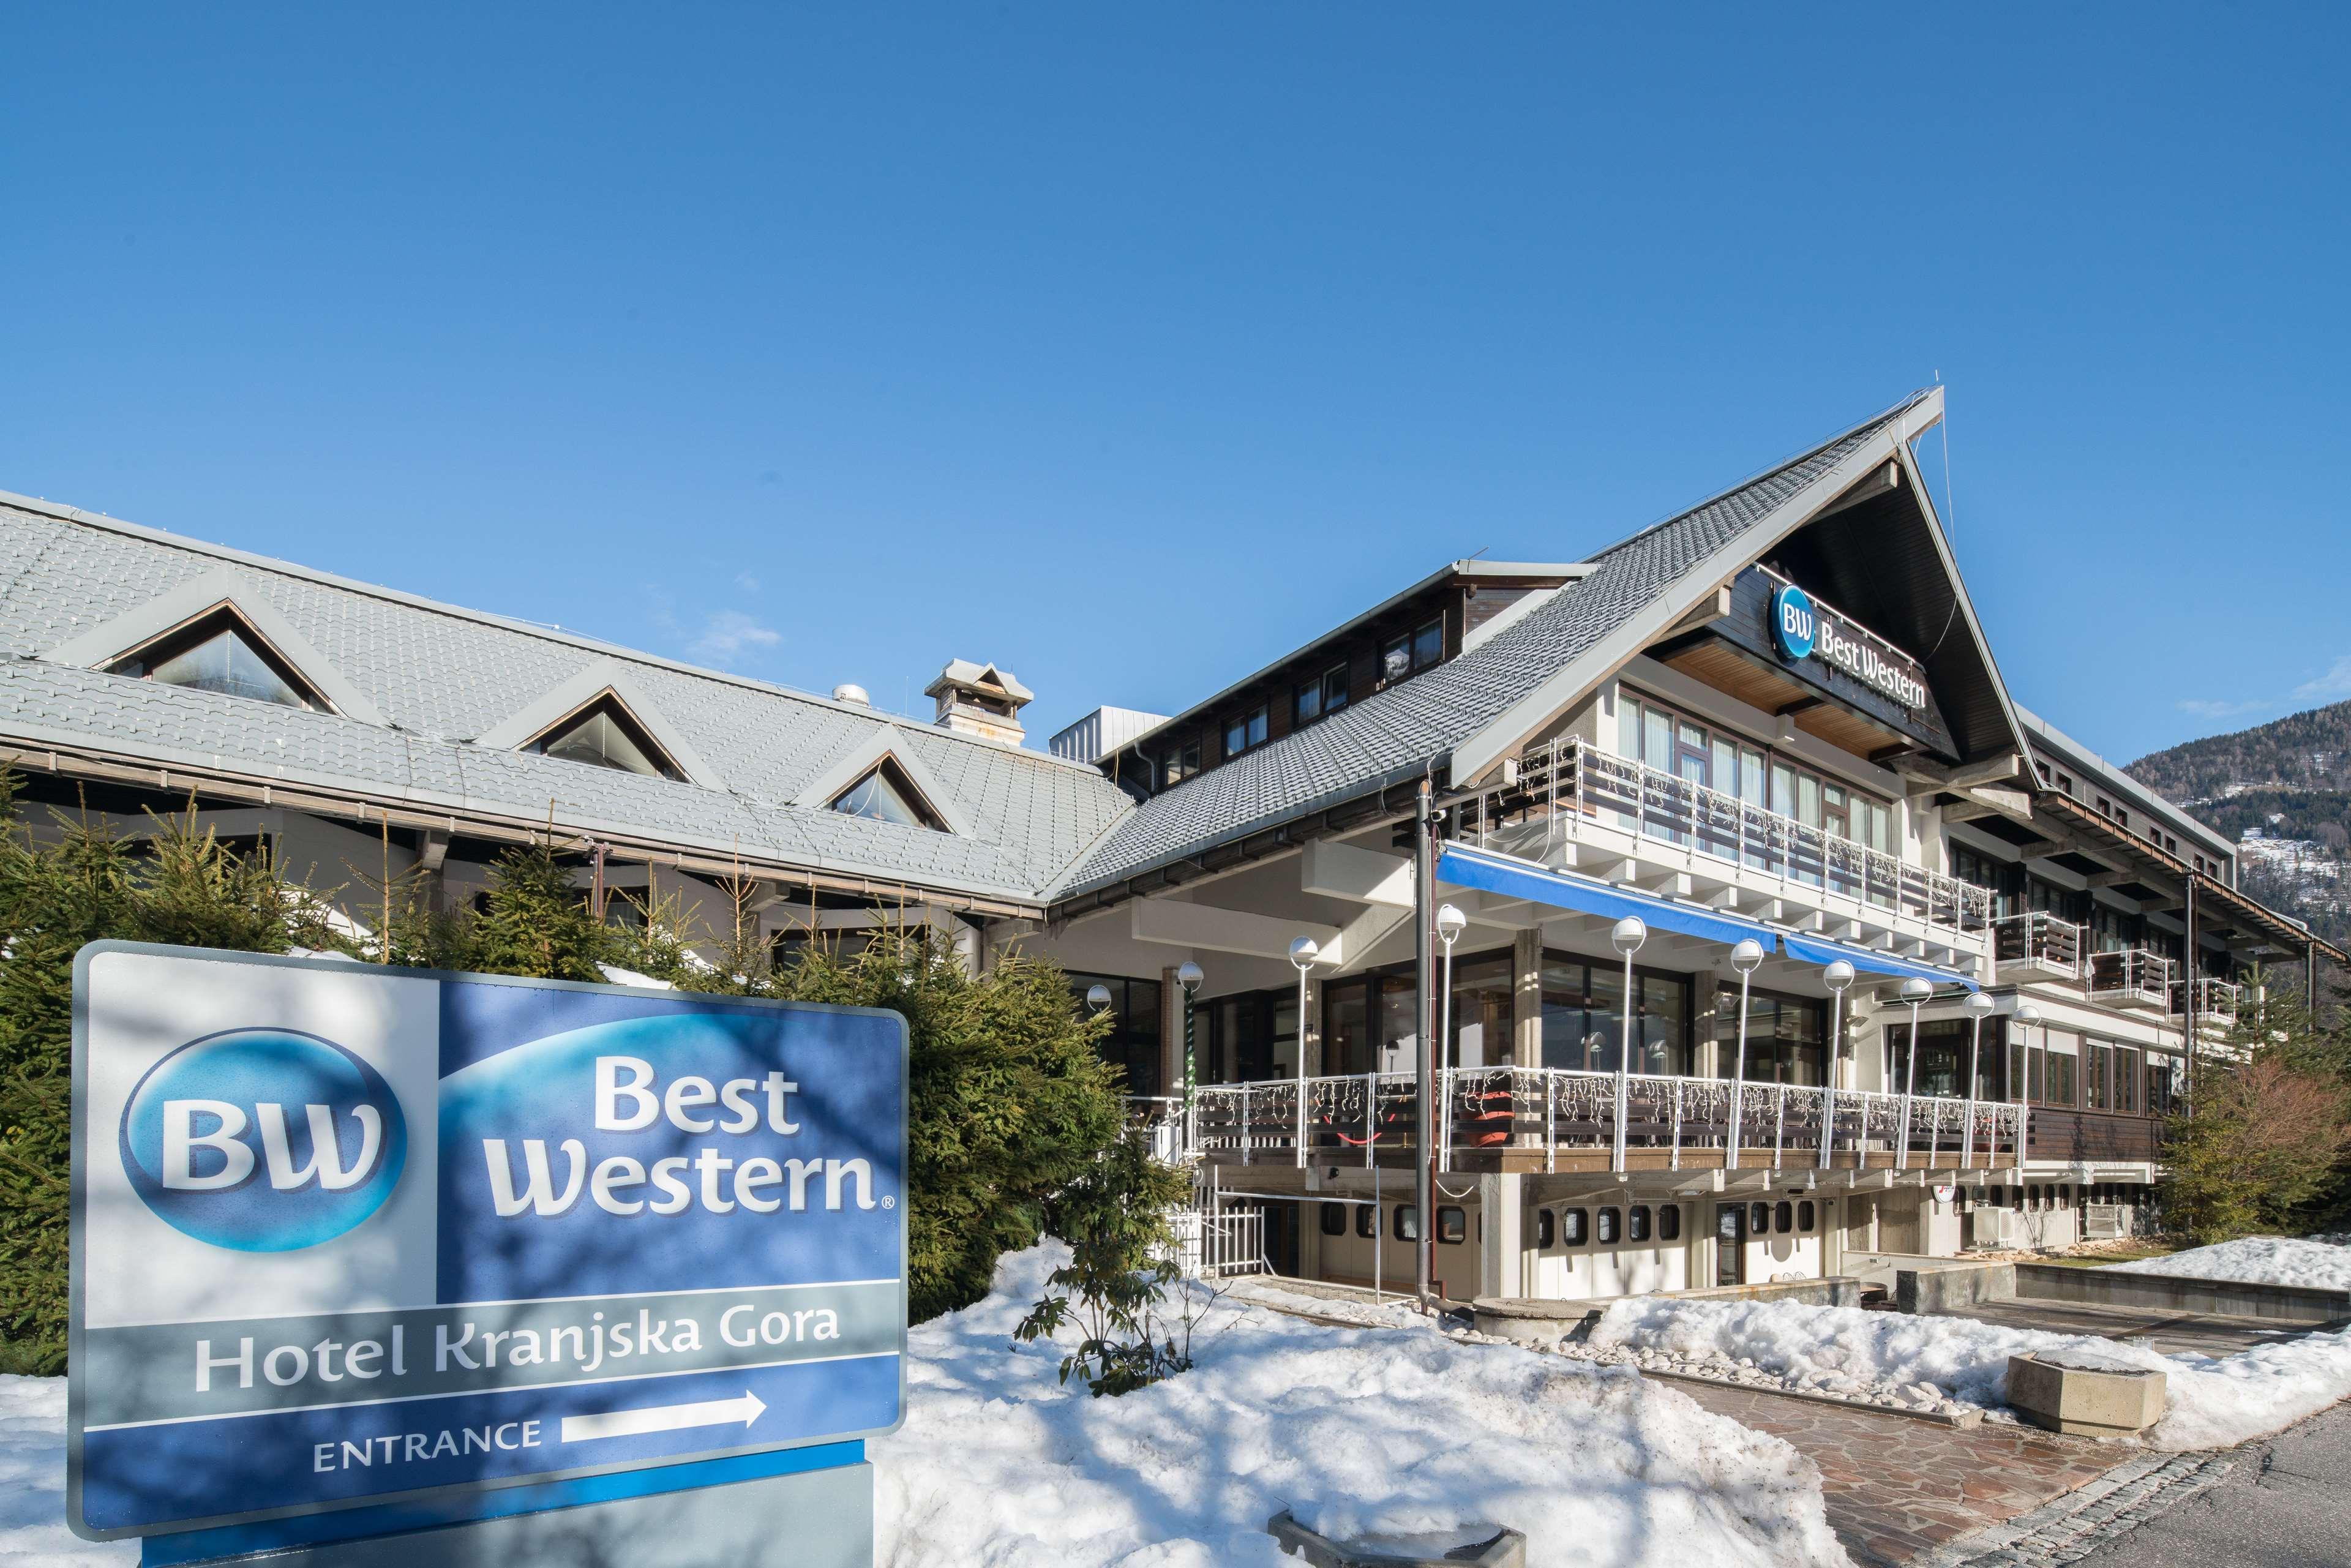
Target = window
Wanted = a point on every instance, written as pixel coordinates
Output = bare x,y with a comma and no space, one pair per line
1414,652
1636,1223
1179,762
2032,1196
1785,1036
1407,1222
605,735
1322,696
1806,1215
1572,1227
1334,1219
1584,1016
887,795
218,653
1452,1225
1669,1222
1783,1217
1245,732
1546,1228
1367,1221
1758,1220
1609,1228
1132,1043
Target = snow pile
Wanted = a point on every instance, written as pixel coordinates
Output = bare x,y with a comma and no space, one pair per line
1356,1431
32,1482
1267,1291
1720,1367
2321,1264
2214,1402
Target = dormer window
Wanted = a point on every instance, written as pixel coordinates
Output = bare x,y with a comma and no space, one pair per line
219,654
1413,652
604,734
1245,732
886,795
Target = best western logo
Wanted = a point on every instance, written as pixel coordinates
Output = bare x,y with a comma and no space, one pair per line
262,1140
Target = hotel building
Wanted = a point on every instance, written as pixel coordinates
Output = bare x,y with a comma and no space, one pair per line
1675,849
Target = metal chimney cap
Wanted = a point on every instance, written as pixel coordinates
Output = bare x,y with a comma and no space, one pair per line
850,692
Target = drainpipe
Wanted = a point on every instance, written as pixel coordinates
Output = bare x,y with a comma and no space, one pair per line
2187,1007
1423,924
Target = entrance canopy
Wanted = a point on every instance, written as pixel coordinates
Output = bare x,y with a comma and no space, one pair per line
1487,872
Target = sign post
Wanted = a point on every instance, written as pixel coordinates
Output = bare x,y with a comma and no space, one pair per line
372,1261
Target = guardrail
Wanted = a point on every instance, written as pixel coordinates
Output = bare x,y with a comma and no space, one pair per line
1562,780
2131,975
2215,999
1483,1111
2038,939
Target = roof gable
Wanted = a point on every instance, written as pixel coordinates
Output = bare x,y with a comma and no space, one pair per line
572,696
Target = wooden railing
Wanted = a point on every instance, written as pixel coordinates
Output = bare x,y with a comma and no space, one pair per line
1542,1112
1561,781
2040,939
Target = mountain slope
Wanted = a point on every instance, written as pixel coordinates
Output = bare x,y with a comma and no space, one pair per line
2303,750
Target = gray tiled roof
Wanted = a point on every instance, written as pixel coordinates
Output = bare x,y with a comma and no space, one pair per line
442,676
1398,733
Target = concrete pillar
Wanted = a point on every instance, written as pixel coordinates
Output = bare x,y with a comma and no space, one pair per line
1501,1256
1526,999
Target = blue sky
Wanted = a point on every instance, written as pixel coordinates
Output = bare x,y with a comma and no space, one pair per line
1129,347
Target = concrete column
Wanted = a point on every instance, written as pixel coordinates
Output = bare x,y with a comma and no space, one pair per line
1500,1259
1526,999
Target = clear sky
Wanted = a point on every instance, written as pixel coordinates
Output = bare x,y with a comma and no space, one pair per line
1128,347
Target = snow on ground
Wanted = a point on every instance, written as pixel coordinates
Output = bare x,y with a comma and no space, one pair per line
1355,1430
2212,1402
1265,1290
2319,1261
32,1482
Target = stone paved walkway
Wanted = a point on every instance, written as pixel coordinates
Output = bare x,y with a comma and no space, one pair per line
1897,1490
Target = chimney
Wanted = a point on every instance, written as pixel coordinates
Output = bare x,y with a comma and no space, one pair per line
979,699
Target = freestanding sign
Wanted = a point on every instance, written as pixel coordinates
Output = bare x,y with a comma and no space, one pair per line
343,1234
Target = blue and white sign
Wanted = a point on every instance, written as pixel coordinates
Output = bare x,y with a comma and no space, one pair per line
1793,622
344,1233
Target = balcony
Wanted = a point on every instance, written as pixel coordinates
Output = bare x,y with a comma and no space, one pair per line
2216,1000
2131,978
2037,946
1533,1120
1567,788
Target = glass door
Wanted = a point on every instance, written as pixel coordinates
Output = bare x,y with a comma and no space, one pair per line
1730,1243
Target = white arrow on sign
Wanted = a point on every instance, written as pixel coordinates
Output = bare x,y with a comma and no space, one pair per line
663,1418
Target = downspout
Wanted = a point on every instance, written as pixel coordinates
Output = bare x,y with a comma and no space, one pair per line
2187,1008
1423,924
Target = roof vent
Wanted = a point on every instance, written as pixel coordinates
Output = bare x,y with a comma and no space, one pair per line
847,692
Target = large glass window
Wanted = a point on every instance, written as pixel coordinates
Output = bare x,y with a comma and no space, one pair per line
1481,1011
1786,1038
1584,1016
2059,1075
1132,1043
1943,1053
1362,1018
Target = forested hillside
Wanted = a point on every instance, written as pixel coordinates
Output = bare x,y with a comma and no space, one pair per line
2303,749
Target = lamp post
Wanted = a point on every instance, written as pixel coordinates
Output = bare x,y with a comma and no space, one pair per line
1188,975
1837,976
1450,924
1303,953
1744,958
1914,991
1978,1005
1627,938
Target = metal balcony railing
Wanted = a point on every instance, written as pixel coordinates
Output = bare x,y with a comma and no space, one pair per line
2131,977
2040,940
1483,1111
1563,781
2215,999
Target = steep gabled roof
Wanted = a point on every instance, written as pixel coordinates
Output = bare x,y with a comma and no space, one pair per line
432,698
1463,716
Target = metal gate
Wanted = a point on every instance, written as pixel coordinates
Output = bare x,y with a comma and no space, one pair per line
1212,1245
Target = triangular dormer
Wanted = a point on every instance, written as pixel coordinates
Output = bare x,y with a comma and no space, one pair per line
881,780
218,633
602,718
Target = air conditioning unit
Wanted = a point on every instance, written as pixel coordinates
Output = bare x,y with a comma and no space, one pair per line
1988,1227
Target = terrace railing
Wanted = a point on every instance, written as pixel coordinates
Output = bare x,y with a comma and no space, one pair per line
1562,781
2215,999
2131,975
1547,1112
2039,940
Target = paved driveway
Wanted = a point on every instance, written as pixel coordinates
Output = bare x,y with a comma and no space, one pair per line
2284,1503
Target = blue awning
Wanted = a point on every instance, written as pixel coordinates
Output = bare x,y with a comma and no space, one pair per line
1817,950
1491,873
